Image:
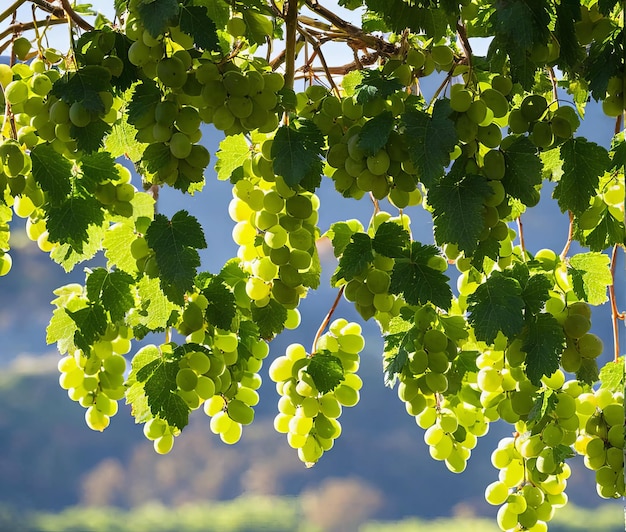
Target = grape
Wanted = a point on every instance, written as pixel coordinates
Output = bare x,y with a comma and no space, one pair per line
164,444
240,412
95,419
590,346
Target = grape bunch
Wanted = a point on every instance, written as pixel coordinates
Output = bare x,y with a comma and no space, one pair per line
601,441
307,414
581,344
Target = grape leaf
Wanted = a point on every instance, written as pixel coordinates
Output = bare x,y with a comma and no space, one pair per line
567,14
116,244
535,292
69,222
605,59
355,258
259,26
583,164
340,234
609,231
544,405
375,133
159,378
419,283
83,86
68,256
195,21
6,214
612,375
52,172
588,371
232,273
374,85
156,308
489,247
455,327
591,275
458,203
217,10
391,240
618,149
222,308
91,323
270,319
311,277
496,305
430,139
91,137
130,72
157,15
121,140
420,16
543,342
395,363
523,170
296,152
112,290
97,168
234,151
61,330
326,371
175,243
142,102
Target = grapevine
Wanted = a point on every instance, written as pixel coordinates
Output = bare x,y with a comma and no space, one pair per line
479,325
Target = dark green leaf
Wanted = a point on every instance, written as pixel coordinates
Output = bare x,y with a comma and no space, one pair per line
608,232
419,283
326,371
535,293
571,53
296,152
112,290
160,389
52,172
375,133
270,319
91,323
130,72
221,308
591,276
355,259
91,137
588,371
523,170
195,21
544,405
175,243
97,168
391,240
583,164
430,139
605,60
68,223
157,15
83,86
458,203
395,364
374,85
496,305
419,16
543,341
340,234
145,97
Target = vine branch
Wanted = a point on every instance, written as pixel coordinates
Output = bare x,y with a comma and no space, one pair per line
327,319
615,314
291,30
570,237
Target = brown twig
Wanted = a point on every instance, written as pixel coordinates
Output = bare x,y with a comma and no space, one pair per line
553,81
291,31
570,237
461,32
317,47
75,17
326,320
20,27
520,234
615,314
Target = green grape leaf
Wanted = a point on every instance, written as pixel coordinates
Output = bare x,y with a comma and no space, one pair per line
259,26
562,452
91,137
583,164
455,327
612,375
270,319
311,277
121,140
420,284
421,16
157,15
91,323
588,371
465,362
195,21
391,240
68,256
116,244
606,6
490,248
69,222
458,203
355,258
609,231
52,172
374,85
591,275
61,330
159,379
605,59
375,133
567,14
496,305
394,364
130,72
543,341
351,81
156,308
222,308
232,273
430,139
523,170
535,292
143,101
326,371
112,290
544,405
340,235
175,243
618,147
97,168
155,157
296,152
234,151
83,86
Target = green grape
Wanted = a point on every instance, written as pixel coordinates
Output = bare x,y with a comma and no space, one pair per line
496,493
460,100
164,444
78,115
95,419
16,92
240,412
533,107
186,379
435,340
576,325
115,364
590,345
496,101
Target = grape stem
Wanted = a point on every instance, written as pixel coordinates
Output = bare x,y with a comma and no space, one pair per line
326,320
291,30
570,237
317,52
615,314
20,27
465,44
520,231
555,94
11,10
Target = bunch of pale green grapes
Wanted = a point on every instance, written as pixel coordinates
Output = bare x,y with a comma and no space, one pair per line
276,232
610,199
615,101
601,441
581,344
307,416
